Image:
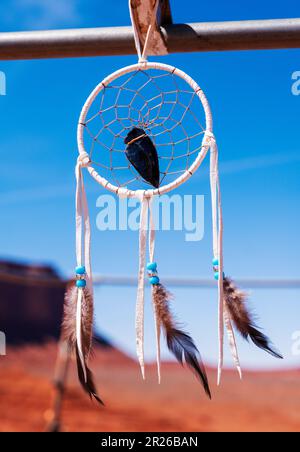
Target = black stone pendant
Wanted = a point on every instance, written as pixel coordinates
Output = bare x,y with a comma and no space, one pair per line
142,154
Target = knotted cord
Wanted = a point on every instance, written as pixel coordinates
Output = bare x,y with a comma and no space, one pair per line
217,220
83,248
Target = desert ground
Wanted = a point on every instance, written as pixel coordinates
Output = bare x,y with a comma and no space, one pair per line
263,402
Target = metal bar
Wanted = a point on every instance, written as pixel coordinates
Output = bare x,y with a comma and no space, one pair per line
197,37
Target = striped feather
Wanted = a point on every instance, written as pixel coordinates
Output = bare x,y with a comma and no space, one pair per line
78,332
180,344
235,301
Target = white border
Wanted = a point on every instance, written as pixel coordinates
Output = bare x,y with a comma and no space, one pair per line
205,143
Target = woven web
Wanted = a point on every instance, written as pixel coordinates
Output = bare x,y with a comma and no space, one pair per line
159,102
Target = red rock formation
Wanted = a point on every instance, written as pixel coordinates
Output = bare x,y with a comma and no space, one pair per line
31,304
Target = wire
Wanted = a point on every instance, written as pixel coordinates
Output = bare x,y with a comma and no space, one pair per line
126,281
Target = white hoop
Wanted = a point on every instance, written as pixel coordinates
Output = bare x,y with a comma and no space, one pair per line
205,142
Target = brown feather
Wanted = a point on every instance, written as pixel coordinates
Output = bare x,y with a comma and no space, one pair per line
69,334
180,344
69,320
87,384
235,301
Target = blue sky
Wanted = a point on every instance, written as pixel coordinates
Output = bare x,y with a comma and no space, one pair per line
257,125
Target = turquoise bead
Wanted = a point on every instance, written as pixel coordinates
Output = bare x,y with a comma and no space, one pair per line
154,280
81,283
215,262
152,266
80,270
217,276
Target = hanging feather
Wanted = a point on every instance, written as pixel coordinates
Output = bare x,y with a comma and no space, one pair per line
180,344
142,154
85,325
235,301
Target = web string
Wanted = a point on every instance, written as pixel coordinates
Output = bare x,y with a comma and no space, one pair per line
158,102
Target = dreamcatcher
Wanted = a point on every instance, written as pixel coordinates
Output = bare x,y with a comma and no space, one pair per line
143,132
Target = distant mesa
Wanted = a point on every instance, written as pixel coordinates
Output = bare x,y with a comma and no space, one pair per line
31,303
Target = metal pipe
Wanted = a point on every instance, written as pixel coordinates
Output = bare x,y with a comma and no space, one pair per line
196,37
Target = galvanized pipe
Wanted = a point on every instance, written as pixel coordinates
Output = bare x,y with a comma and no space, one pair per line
196,37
